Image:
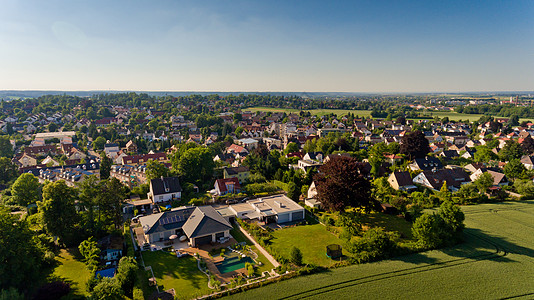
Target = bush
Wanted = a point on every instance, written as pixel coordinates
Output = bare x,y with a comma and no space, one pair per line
375,244
138,294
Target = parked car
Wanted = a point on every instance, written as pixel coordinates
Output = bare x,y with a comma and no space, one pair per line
231,201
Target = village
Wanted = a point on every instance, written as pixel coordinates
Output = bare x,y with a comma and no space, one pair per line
234,198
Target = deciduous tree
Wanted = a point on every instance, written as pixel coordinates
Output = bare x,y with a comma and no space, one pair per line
26,189
6,149
58,210
342,182
156,169
414,145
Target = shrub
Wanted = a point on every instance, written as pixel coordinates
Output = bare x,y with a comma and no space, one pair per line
295,256
375,244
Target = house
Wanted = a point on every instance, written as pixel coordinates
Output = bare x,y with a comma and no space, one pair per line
306,164
427,163
317,156
435,179
206,225
49,161
227,186
111,150
165,189
401,181
499,179
276,208
201,225
474,167
111,247
131,147
242,173
312,191
313,203
27,160
332,156
528,162
236,149
449,154
248,143
143,159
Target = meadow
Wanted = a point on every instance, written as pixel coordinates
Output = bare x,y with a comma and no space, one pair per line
494,262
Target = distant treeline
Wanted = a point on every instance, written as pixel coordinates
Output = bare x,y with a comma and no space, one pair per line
506,110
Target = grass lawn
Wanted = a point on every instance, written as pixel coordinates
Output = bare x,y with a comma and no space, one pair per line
494,262
182,274
310,239
388,222
377,219
71,269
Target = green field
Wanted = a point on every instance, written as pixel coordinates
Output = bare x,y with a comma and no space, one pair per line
310,239
495,262
367,113
182,274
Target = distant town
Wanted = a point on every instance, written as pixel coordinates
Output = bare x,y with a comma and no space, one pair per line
147,196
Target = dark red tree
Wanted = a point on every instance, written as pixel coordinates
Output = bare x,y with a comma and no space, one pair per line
414,145
343,182
528,145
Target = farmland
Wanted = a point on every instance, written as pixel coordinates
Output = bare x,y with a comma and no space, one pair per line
367,113
494,262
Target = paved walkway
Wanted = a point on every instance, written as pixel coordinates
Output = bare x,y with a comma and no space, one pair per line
263,251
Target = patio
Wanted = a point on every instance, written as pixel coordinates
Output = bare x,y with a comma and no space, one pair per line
175,243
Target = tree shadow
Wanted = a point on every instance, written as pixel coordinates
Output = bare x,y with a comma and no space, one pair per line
477,245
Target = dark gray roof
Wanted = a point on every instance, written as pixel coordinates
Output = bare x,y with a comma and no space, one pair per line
165,185
428,163
205,220
174,219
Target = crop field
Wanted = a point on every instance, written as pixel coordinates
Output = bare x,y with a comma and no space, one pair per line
367,113
496,261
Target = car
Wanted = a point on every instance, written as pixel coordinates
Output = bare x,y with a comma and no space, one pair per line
136,218
231,201
155,210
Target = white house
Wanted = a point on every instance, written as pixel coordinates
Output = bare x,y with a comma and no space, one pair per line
165,189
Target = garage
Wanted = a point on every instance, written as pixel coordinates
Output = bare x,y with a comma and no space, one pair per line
202,240
282,218
219,235
299,215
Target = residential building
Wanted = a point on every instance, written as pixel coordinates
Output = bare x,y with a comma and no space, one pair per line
227,186
201,225
277,208
165,189
242,173
401,181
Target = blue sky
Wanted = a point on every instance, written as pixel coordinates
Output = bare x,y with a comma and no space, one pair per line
343,46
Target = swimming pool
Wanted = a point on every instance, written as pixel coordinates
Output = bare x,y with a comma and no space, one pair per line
232,263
